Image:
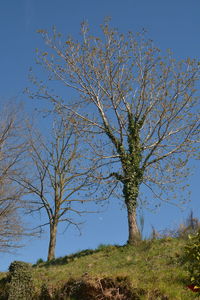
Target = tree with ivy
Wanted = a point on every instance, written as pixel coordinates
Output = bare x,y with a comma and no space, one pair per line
137,109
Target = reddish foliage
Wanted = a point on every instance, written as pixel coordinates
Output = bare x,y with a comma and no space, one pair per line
192,288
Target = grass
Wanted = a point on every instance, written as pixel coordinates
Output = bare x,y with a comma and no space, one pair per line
153,266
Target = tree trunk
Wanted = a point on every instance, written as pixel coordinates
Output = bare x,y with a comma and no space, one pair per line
134,233
130,191
52,241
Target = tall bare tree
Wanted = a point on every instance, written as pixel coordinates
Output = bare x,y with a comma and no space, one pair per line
141,108
58,178
11,151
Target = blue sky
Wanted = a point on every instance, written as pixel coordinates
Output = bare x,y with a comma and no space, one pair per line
173,24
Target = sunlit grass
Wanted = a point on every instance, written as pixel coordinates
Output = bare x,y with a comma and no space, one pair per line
154,266
151,265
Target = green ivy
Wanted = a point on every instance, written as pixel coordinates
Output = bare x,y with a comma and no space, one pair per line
192,258
20,284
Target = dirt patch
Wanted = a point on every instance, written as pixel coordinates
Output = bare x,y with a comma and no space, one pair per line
106,288
101,289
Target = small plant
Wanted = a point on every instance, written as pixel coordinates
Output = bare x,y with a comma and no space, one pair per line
39,261
20,285
192,258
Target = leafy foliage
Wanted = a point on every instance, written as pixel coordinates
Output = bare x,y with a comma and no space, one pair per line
192,258
20,281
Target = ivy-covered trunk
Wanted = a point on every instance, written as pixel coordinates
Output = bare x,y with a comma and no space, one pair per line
133,175
131,190
52,241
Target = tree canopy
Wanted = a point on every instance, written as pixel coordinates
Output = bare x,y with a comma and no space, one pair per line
138,109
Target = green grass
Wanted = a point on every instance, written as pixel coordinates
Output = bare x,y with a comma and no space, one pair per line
153,266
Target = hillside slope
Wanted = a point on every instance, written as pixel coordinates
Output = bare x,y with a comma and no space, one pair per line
151,270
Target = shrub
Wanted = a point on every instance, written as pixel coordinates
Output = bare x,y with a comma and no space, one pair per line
40,261
192,258
20,284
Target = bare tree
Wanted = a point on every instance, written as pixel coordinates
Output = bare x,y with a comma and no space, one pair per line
59,179
12,229
11,150
140,108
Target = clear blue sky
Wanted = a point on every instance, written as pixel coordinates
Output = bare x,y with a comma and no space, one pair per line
173,24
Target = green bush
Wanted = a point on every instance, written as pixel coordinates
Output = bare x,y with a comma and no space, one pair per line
40,261
20,284
192,258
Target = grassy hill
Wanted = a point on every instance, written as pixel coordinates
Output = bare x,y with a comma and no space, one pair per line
153,269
